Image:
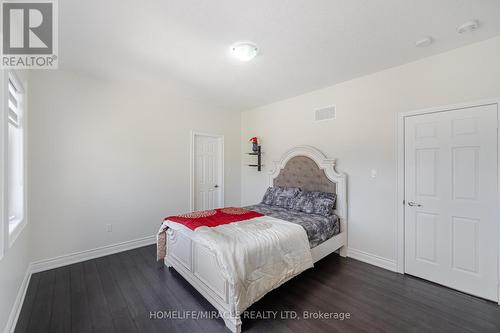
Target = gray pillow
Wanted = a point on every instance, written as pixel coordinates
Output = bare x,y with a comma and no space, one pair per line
270,195
317,194
321,203
324,206
304,203
286,198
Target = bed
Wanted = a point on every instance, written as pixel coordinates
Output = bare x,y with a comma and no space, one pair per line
199,261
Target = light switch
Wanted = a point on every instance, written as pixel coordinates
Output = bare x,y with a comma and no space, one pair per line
373,173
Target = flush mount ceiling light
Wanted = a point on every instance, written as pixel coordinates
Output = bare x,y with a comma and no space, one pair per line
468,26
244,51
423,42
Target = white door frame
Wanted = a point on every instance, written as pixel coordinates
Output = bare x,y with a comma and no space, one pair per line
400,153
192,159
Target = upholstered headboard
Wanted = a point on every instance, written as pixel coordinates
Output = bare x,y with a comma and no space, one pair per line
303,172
308,168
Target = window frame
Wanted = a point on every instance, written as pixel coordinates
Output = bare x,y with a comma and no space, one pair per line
3,116
9,233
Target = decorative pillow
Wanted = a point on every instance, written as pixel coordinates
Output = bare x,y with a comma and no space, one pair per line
283,201
321,203
290,191
317,194
324,205
286,197
304,203
271,194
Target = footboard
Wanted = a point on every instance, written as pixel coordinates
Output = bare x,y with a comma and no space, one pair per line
198,265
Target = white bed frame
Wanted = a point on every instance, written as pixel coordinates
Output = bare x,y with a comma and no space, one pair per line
198,265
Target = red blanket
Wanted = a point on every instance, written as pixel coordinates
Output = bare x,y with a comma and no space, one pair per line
214,217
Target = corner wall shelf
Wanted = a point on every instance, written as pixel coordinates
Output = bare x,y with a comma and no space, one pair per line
258,153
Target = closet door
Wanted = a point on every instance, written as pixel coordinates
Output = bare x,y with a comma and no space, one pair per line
451,191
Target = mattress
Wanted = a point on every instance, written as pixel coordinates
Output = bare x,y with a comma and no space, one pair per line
318,228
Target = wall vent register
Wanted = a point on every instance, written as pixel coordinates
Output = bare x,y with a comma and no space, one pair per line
325,113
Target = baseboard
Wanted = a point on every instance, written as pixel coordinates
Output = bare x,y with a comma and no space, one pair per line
372,259
18,303
73,258
64,260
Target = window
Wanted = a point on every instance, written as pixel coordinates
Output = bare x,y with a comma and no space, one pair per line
14,159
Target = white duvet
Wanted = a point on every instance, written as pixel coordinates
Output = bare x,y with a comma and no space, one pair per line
256,255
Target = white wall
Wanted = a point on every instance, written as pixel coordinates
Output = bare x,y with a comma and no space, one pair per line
363,135
13,269
14,264
113,153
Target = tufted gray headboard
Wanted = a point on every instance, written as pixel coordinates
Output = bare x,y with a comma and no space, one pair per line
308,168
303,172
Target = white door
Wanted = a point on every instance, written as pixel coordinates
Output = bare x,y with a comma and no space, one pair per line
207,172
451,224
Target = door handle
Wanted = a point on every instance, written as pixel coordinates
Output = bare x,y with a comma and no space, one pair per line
216,186
414,204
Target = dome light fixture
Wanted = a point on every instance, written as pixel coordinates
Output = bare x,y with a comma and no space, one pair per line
244,51
468,26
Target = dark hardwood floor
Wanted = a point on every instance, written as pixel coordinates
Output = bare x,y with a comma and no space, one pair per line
117,293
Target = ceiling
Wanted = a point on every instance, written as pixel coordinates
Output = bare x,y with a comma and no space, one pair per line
305,45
